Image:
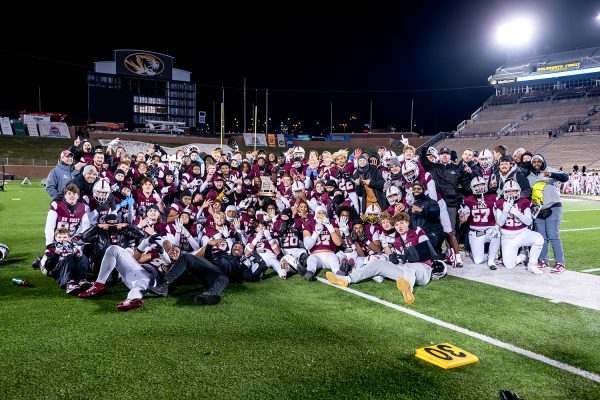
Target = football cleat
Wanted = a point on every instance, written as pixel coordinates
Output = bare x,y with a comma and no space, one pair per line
96,288
534,269
301,267
37,263
207,299
450,257
404,286
558,268
128,304
73,288
310,276
336,280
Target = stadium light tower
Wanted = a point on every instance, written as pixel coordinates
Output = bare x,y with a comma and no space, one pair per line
516,33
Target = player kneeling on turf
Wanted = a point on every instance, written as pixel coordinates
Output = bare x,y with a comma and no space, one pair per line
411,260
139,270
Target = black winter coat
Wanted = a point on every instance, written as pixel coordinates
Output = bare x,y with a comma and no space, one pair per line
377,183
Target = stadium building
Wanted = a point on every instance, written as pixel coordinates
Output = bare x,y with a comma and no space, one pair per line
141,86
556,92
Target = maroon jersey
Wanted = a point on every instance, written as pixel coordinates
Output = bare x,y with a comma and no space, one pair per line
411,238
263,244
87,158
179,208
158,227
154,264
292,237
212,233
482,211
142,202
513,223
486,173
184,244
321,198
67,219
324,242
347,185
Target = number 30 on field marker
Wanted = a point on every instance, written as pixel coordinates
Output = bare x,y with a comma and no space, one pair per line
446,356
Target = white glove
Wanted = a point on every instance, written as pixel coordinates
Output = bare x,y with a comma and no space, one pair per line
178,226
330,228
507,206
257,238
164,190
113,142
143,246
464,211
318,229
343,224
404,141
225,232
515,211
326,221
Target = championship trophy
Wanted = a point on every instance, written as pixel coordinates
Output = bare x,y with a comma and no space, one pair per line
267,188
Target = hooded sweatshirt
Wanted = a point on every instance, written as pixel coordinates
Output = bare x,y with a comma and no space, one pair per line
549,186
58,178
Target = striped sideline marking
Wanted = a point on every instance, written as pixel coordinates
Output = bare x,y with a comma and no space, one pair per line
495,342
580,229
591,270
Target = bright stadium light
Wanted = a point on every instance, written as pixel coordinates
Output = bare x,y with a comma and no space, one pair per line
516,32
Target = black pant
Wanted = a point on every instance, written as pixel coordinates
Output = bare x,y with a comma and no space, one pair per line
72,268
200,268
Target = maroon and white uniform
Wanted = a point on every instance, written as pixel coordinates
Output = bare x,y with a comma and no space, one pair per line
187,242
223,232
317,199
290,241
159,228
61,216
482,230
322,254
513,220
142,202
180,207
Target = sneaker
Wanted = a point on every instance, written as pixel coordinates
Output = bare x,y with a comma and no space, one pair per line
378,279
84,284
345,267
492,267
301,268
96,288
162,289
310,276
36,264
439,269
543,265
336,280
207,299
73,288
534,269
558,268
403,286
127,305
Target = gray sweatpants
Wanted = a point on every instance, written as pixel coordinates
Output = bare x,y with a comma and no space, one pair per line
418,273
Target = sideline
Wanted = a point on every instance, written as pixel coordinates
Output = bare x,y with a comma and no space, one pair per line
495,342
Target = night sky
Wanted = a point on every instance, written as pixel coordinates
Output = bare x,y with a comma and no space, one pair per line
307,56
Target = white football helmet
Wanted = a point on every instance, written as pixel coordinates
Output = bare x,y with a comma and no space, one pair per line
3,251
101,190
192,148
479,185
485,158
410,170
297,186
512,191
231,208
298,151
288,262
393,195
373,214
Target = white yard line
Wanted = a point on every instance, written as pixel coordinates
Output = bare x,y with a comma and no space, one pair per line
495,342
591,209
591,270
580,229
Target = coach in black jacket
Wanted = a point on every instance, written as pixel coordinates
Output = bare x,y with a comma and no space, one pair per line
425,214
446,175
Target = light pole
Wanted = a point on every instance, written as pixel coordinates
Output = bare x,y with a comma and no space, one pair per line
344,126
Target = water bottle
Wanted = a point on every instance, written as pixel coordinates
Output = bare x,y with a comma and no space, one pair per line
21,282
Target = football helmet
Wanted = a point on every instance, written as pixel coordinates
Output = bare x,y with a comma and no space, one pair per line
486,158
298,151
3,251
297,186
479,185
410,170
101,190
392,192
373,214
512,191
288,262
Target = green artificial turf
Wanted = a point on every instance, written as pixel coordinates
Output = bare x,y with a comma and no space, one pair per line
280,339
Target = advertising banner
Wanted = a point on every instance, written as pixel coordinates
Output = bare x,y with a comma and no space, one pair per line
280,140
32,129
144,64
5,126
338,138
272,140
261,139
28,118
54,129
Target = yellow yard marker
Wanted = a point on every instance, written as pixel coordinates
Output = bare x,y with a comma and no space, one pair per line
446,355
